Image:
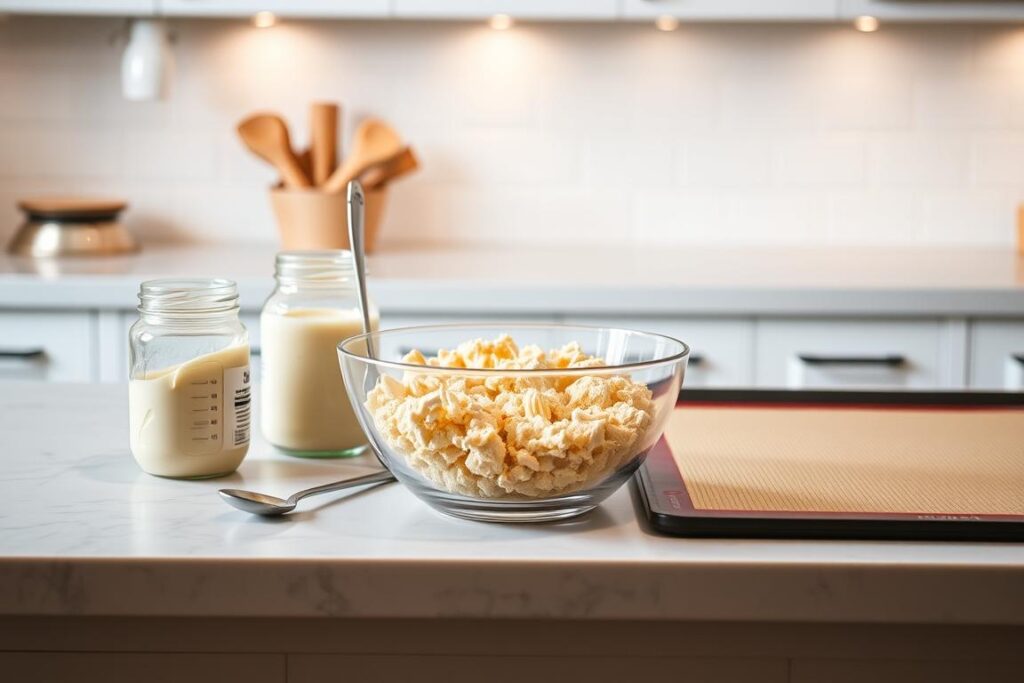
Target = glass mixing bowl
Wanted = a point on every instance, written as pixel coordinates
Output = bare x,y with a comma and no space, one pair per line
513,444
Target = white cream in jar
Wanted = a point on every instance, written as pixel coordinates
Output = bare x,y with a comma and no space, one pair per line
305,409
189,401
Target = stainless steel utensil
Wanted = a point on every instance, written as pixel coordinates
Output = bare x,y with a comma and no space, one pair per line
356,210
271,506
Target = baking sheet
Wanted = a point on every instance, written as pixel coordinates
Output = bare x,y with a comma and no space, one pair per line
840,464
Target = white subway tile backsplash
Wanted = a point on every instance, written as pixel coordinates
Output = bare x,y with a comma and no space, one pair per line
919,161
820,161
982,217
548,133
678,216
180,155
624,164
961,103
727,162
875,217
999,160
777,217
765,103
516,157
60,151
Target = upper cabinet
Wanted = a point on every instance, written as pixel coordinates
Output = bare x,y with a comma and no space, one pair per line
284,8
935,10
520,9
121,8
545,10
734,10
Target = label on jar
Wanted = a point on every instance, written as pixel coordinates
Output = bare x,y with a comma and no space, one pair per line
237,405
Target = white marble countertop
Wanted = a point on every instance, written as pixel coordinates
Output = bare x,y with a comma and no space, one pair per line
889,281
84,532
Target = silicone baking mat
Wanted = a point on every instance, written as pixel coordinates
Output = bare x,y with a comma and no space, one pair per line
840,464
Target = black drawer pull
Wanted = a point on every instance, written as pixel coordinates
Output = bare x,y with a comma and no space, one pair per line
696,359
255,352
892,361
1019,357
23,354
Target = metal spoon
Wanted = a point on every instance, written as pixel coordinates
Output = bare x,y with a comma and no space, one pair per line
271,506
356,205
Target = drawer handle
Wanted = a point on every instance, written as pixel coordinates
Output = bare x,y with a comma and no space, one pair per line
255,352
23,354
892,360
1019,357
696,359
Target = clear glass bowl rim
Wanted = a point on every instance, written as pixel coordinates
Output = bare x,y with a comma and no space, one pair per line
510,328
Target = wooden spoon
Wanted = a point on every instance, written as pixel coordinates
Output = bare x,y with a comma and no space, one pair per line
377,177
266,135
323,126
374,143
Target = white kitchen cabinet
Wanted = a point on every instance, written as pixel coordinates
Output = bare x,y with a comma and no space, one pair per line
997,355
126,8
854,354
935,10
734,10
52,346
519,9
282,8
721,350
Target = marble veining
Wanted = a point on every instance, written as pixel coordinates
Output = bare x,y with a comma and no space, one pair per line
84,531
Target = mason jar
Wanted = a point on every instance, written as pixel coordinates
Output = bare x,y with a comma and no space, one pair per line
305,409
189,386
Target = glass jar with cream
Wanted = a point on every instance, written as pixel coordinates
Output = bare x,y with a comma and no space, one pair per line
305,409
189,387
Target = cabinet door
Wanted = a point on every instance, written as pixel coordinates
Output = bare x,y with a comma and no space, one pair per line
520,9
282,8
855,354
47,346
936,10
734,10
128,8
997,355
721,350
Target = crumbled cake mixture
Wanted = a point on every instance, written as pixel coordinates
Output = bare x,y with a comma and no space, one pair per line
517,435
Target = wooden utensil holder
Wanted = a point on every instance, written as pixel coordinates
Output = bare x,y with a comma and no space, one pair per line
310,219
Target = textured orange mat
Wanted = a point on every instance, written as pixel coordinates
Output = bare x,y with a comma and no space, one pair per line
851,459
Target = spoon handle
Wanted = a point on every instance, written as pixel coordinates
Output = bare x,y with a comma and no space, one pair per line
356,204
375,478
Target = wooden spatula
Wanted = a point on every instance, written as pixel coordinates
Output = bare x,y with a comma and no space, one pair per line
266,135
397,166
374,143
323,126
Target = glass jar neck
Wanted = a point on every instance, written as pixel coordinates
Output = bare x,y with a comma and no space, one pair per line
329,270
188,302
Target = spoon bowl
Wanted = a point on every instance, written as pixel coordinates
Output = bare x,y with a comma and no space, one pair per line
256,503
272,506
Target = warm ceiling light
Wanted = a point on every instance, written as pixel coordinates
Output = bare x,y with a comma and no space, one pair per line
264,19
866,24
666,22
501,22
